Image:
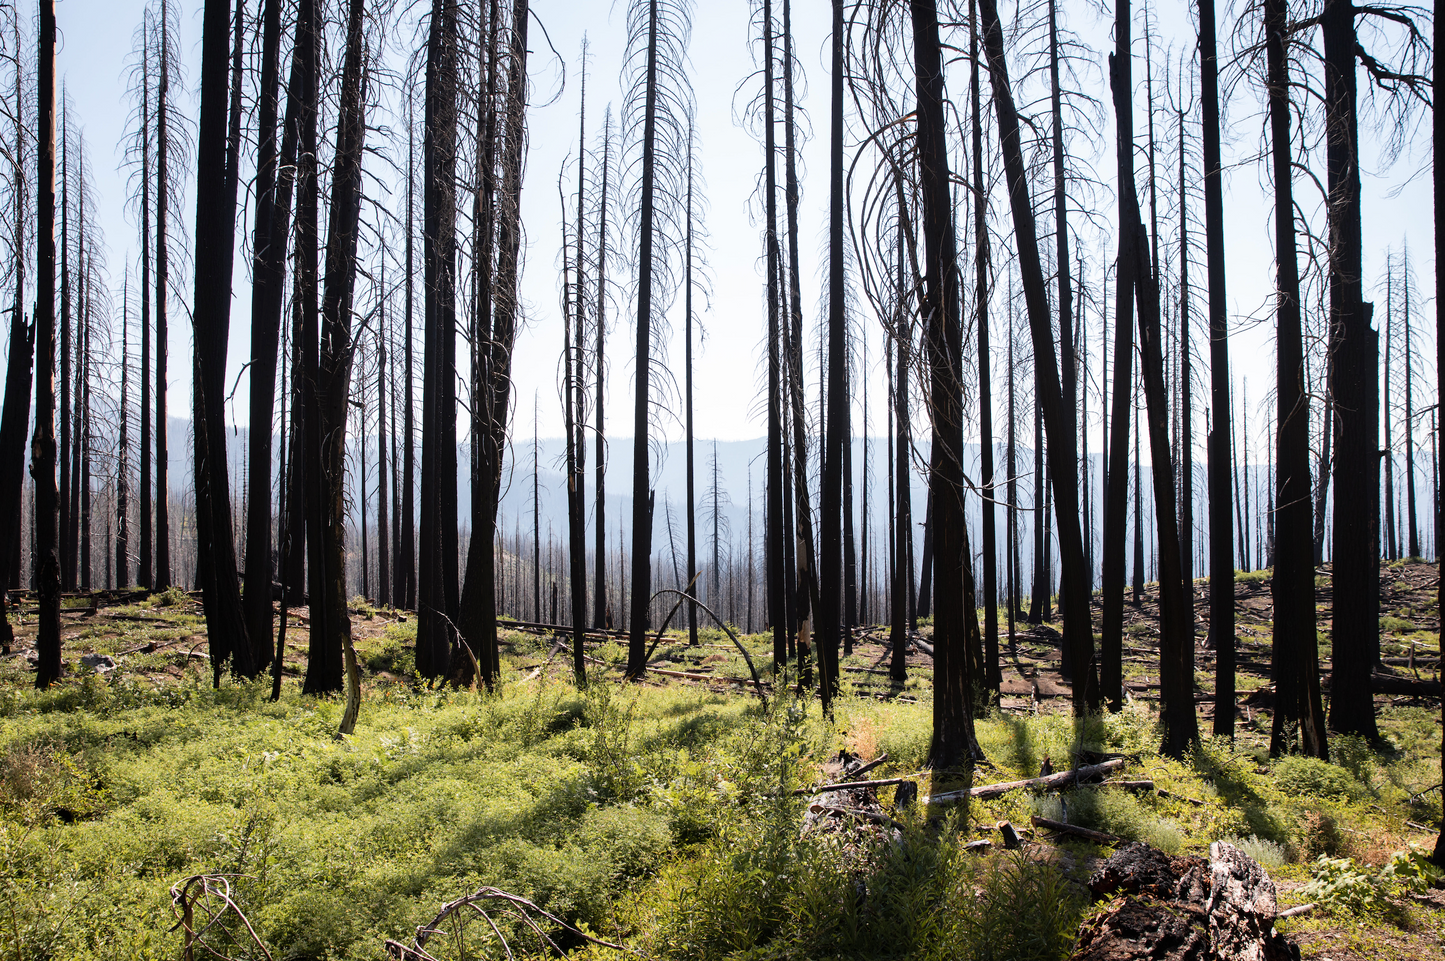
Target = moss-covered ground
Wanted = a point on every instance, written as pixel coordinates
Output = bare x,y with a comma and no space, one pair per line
663,815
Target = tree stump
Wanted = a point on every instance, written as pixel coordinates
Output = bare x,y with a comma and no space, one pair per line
1183,909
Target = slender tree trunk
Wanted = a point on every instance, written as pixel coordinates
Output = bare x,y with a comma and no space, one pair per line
1437,130
834,457
1413,534
1116,488
163,280
642,491
147,538
1186,403
1040,584
383,548
902,581
42,445
1299,714
993,677
1221,534
217,157
15,421
273,214
689,586
1387,450
67,552
777,528
328,600
600,606
1063,450
955,614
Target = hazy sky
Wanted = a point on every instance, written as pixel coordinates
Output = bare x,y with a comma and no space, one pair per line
96,40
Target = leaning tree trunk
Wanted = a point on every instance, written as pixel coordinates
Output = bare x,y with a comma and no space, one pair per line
1063,448
1299,716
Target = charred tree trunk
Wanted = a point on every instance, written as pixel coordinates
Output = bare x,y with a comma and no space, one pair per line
1354,345
599,594
163,190
438,463
15,421
1299,722
1063,449
993,675
147,539
217,157
42,445
830,559
1221,532
274,186
955,615
777,528
329,616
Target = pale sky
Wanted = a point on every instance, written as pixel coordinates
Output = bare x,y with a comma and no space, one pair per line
96,39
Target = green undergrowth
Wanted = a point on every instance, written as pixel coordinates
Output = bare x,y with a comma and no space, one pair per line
663,818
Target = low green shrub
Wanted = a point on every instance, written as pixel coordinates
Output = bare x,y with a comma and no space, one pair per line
1299,775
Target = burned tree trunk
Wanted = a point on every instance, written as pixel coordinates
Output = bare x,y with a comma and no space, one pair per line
1063,459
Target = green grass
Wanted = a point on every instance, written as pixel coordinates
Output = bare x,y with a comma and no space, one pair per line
659,817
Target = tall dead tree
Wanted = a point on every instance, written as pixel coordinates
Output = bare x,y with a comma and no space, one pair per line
274,185
15,421
1299,715
1063,448
162,279
1221,524
600,606
1116,487
659,101
436,574
215,230
329,616
994,676
42,444
955,615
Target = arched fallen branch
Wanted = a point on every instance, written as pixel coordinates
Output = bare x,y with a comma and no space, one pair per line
757,681
210,896
471,907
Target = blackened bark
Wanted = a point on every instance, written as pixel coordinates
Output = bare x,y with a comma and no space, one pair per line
406,546
1063,448
1354,345
1412,518
1116,487
147,539
15,420
902,582
1299,716
830,557
42,444
163,280
993,673
599,593
438,461
329,617
778,529
955,615
1221,525
273,215
1176,644
1186,402
215,234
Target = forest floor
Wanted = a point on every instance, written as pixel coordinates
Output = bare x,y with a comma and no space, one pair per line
672,816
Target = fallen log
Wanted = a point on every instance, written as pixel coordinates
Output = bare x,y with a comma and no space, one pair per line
1059,827
1052,782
